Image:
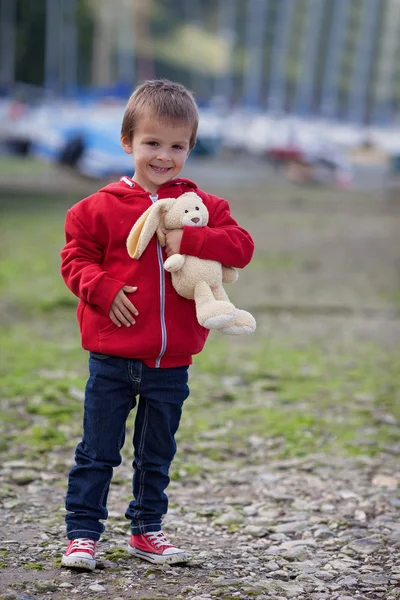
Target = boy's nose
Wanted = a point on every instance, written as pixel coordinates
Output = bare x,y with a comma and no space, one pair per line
163,155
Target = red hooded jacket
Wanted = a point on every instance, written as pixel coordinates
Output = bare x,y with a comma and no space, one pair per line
96,265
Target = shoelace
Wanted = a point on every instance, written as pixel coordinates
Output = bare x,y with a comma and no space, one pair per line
158,539
84,544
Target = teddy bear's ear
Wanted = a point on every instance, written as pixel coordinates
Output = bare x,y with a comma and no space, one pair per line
146,226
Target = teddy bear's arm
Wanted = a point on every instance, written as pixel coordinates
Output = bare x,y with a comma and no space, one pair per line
174,263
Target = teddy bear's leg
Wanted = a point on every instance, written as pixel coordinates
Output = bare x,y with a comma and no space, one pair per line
212,313
244,322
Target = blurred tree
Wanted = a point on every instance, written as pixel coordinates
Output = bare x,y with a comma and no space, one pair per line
85,36
7,43
30,41
31,37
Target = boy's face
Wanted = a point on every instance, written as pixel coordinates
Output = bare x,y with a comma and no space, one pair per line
159,150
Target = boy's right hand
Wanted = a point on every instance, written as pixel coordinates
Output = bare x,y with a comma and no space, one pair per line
122,308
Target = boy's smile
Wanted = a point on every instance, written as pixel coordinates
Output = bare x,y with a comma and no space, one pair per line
159,150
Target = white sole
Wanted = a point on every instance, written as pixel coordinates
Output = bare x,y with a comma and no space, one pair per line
170,559
75,562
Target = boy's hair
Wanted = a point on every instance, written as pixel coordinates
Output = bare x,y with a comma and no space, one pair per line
164,100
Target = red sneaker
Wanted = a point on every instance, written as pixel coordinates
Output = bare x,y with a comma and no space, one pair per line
80,554
155,548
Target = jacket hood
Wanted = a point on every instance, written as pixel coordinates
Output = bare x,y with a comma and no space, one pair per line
126,187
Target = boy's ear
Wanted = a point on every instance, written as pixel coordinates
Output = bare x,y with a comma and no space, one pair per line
126,144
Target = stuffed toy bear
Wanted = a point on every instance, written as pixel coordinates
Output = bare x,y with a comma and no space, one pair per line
193,278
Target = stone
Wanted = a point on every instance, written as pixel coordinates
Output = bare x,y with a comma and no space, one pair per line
229,518
385,481
96,587
348,581
255,531
292,527
291,590
375,579
271,566
365,546
323,533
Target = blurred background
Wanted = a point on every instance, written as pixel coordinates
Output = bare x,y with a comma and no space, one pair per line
312,86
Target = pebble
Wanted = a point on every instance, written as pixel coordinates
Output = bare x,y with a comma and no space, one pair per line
385,481
290,527
365,546
96,587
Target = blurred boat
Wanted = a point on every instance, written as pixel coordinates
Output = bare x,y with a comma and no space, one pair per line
84,136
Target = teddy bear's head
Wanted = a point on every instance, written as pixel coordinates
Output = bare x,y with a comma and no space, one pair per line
187,210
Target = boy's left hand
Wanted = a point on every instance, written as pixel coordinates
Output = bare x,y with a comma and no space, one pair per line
173,239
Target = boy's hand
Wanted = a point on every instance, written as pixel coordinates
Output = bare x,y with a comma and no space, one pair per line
173,239
122,308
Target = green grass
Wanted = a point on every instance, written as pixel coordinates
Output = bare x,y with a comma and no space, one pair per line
22,167
296,397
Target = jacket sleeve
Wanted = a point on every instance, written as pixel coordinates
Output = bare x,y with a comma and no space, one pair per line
222,240
81,266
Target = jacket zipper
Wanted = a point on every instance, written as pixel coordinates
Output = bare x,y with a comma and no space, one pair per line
154,199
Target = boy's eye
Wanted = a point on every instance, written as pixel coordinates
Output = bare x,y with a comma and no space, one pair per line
152,143
178,147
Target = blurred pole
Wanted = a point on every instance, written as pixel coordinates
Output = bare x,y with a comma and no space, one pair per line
143,40
52,48
255,48
330,81
311,37
227,13
126,47
389,51
8,15
62,50
70,49
193,13
277,81
362,65
102,71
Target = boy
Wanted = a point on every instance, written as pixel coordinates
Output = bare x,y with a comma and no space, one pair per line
140,334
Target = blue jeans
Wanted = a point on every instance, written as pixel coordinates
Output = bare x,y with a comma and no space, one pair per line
110,395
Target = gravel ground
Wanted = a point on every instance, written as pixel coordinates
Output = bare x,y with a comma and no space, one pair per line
312,528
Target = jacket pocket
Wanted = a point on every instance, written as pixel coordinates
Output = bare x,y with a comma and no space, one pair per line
108,330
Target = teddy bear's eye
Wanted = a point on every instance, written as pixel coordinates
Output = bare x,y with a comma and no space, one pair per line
186,211
197,208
